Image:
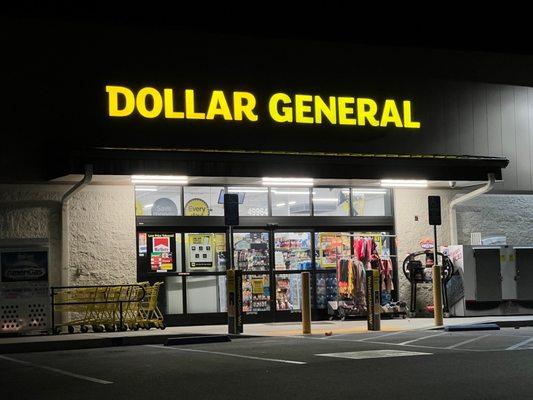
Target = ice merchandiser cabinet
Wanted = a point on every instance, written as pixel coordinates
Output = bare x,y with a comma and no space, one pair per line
490,280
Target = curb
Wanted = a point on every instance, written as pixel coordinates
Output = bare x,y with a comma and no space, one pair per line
179,341
80,344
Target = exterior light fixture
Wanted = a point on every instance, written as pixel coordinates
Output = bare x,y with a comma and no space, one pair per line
288,181
160,179
410,183
247,190
290,192
369,191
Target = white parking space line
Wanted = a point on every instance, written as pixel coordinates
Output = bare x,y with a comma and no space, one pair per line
380,336
422,338
361,355
516,346
229,354
453,346
59,371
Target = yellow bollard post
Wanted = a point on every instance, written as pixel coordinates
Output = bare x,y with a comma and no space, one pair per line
306,303
437,295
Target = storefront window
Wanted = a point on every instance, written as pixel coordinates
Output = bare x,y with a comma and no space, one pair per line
251,251
255,293
292,250
288,289
203,201
331,201
330,247
204,294
371,202
174,294
326,289
205,252
253,201
157,200
290,202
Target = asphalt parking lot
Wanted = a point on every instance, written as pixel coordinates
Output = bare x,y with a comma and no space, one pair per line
403,365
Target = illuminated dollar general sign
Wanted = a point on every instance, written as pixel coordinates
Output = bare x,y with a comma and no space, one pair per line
283,108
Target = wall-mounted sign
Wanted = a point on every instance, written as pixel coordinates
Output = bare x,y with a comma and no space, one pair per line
149,102
196,208
19,266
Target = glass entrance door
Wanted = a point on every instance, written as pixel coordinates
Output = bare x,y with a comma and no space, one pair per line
252,257
292,255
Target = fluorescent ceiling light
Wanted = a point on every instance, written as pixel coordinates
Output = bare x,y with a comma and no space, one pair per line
288,181
280,204
290,192
326,200
148,205
291,203
369,191
145,189
422,183
246,190
160,179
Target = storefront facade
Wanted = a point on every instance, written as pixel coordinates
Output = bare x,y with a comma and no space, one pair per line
283,231
221,117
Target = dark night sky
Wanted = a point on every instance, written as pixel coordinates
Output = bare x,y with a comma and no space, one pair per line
441,26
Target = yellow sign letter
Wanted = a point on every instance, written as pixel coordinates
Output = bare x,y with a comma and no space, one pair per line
390,114
218,106
286,115
407,122
157,102
244,104
129,101
367,110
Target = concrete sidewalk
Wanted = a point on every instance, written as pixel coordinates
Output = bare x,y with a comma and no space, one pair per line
155,336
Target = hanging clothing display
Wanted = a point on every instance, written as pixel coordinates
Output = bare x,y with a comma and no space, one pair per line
385,271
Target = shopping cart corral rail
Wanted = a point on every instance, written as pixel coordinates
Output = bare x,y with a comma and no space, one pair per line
106,307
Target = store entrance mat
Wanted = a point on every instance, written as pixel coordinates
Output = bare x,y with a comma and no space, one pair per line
182,340
360,355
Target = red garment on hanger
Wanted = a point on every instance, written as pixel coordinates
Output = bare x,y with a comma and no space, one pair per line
385,272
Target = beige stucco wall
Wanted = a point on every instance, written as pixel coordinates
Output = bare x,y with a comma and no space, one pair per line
101,229
408,204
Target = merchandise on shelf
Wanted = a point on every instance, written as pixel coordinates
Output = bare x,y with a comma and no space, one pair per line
291,250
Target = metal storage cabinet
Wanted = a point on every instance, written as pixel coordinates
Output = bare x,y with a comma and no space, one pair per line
488,279
524,273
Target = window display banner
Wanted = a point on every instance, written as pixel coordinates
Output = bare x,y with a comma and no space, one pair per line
257,286
196,208
161,261
161,256
200,248
331,246
161,243
143,245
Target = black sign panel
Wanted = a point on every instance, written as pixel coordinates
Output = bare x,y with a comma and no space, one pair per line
434,210
373,297
234,291
23,266
231,209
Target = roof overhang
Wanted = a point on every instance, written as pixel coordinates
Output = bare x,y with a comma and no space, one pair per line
234,163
